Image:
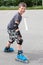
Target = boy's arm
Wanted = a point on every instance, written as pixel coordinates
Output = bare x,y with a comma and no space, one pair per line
17,28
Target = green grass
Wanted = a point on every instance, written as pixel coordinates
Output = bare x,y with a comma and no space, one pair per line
16,7
35,7
8,8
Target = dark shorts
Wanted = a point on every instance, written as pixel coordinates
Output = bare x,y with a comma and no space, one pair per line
13,36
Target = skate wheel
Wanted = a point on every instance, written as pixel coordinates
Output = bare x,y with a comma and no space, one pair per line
27,61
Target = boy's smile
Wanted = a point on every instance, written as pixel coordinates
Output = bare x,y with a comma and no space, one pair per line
22,10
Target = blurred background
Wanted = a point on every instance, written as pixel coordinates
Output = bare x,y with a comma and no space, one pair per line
14,3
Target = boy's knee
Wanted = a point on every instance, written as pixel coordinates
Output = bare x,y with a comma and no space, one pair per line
20,41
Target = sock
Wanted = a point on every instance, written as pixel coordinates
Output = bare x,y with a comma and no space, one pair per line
7,48
20,52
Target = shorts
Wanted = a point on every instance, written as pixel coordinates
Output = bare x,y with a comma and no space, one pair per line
12,36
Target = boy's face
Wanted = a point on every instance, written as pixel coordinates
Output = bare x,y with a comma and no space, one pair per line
22,9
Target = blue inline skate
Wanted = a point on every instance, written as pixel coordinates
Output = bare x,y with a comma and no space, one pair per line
8,49
20,57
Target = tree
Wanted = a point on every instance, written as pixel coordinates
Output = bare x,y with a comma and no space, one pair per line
42,2
16,2
39,2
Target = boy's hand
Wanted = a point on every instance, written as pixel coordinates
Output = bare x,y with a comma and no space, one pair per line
18,33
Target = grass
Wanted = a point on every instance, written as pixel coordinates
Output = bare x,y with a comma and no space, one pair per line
35,7
16,7
8,8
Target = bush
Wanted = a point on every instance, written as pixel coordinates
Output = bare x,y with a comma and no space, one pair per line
16,2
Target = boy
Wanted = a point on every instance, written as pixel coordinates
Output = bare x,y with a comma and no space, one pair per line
14,33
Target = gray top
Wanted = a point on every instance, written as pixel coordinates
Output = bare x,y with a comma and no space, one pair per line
18,18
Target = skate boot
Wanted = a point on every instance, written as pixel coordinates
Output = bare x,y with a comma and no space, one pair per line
22,58
8,49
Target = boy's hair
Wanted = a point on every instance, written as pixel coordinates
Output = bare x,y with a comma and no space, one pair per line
22,4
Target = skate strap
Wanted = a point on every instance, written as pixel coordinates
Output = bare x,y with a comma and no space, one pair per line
20,51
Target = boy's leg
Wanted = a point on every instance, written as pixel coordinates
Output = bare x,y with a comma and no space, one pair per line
19,43
19,47
8,44
20,55
8,48
11,40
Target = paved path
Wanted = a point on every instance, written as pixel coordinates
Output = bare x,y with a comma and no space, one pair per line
33,37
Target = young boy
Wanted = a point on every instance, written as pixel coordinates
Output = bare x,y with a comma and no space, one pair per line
14,32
